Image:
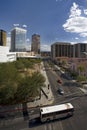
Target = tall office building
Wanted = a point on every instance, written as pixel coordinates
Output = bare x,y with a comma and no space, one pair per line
2,38
18,39
35,46
61,49
80,48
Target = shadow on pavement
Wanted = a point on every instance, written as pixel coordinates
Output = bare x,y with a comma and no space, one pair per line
71,84
36,121
25,111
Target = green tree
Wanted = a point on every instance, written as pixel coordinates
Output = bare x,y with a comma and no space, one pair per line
81,78
29,87
8,72
74,74
7,93
19,65
64,62
81,69
9,79
16,88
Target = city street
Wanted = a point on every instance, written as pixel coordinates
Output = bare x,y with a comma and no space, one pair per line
43,65
72,94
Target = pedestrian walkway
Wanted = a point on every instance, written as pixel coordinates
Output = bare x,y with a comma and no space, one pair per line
46,93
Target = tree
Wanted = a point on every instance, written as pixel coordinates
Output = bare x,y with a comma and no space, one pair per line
9,78
8,73
64,62
15,87
7,93
19,65
81,78
81,69
29,87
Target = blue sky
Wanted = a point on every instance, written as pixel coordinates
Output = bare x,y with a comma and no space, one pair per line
54,20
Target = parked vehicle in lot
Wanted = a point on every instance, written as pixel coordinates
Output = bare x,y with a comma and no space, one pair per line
61,91
59,81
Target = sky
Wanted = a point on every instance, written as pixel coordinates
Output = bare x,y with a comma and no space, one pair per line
53,20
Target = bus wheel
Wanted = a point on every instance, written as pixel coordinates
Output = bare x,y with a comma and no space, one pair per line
70,114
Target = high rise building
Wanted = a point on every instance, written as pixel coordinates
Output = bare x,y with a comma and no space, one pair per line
2,38
61,49
80,48
18,39
9,42
35,46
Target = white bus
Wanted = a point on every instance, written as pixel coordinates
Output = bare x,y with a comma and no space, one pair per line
56,112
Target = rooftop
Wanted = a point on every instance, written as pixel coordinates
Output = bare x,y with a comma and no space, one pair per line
56,108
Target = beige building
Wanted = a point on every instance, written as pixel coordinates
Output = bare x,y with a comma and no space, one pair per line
79,50
35,46
62,49
25,54
2,38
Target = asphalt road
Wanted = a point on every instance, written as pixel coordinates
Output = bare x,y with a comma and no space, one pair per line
72,94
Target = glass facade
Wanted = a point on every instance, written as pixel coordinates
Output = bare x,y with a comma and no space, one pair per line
18,39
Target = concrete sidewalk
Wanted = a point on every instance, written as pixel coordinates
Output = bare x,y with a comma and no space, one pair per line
46,93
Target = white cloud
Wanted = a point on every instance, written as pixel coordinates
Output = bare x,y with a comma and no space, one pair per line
45,47
84,41
75,11
27,40
15,24
76,38
76,23
59,0
85,11
83,34
24,26
72,42
9,33
56,39
28,47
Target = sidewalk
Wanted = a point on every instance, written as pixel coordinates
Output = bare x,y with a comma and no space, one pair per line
46,93
84,90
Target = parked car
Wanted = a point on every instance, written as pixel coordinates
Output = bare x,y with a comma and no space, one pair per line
60,91
59,81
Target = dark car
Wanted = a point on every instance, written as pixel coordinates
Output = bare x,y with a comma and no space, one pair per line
60,91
